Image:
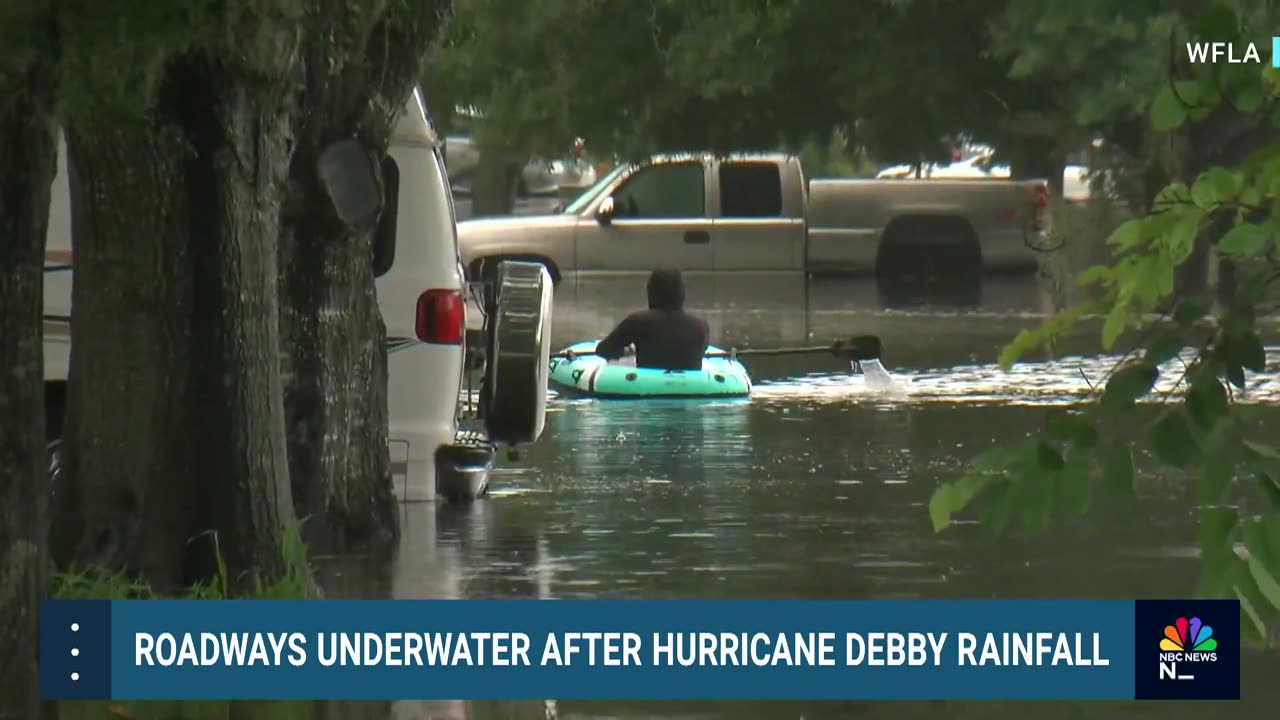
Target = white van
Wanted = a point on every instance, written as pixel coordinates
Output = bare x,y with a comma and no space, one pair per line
421,293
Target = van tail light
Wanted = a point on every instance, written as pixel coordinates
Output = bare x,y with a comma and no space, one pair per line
1040,220
441,318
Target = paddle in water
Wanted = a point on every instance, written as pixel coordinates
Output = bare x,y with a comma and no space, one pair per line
856,349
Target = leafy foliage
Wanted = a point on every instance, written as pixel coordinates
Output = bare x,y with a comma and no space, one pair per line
635,77
1184,412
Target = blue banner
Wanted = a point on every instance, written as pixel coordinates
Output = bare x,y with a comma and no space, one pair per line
640,649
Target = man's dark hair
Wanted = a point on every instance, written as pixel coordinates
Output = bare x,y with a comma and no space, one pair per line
666,289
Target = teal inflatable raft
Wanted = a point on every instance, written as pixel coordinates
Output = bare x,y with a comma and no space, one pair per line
593,376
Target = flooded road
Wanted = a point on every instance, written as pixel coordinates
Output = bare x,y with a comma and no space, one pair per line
816,487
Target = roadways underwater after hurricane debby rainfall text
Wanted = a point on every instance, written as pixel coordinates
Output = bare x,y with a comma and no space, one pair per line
622,649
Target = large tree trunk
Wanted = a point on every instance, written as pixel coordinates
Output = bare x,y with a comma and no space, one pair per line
239,124
127,500
335,352
494,185
27,153
336,385
175,410
1039,160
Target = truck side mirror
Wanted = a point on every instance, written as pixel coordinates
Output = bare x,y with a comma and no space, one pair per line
604,213
384,235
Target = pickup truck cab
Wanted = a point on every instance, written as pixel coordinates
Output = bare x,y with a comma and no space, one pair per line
758,213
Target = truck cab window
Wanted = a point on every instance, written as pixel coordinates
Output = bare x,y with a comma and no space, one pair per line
675,190
750,190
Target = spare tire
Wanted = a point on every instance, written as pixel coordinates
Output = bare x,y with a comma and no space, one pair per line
513,396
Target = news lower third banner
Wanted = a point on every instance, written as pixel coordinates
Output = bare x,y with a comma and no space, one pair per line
639,649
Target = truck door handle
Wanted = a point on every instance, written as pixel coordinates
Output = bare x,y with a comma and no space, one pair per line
697,237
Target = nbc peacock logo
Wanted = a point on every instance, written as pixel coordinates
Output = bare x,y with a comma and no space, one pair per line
1186,641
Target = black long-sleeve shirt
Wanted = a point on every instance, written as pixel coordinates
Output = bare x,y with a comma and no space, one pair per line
664,339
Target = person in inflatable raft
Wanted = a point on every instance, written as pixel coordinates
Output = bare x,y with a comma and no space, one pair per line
665,336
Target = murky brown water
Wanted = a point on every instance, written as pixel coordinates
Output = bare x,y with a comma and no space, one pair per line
814,488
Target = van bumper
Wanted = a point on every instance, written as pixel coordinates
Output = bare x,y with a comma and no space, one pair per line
463,467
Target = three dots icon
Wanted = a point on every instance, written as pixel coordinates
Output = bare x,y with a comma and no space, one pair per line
75,652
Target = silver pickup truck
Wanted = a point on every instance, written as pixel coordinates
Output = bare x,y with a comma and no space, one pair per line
758,213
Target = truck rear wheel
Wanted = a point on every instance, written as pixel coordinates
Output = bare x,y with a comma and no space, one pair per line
931,248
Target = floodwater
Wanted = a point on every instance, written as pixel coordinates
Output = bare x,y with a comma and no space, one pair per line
816,487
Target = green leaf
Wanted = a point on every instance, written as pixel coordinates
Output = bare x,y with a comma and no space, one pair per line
1098,274
1262,574
1074,431
1048,459
1163,346
1261,451
1115,324
1270,489
1173,441
1213,534
1216,476
1171,196
1037,512
1214,186
1249,96
1246,349
1256,627
1128,384
1167,111
1117,471
1215,23
1251,196
1240,316
1180,240
1243,240
997,508
1207,400
1125,237
951,498
1190,309
1075,483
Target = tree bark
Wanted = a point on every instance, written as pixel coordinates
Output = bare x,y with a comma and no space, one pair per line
175,403
1040,161
127,500
236,176
28,150
335,339
493,187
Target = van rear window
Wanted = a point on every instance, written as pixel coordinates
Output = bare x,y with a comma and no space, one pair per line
750,190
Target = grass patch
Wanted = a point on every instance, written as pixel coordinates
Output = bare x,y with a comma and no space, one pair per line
105,584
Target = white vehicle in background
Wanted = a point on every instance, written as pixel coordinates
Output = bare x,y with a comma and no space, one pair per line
422,296
1075,178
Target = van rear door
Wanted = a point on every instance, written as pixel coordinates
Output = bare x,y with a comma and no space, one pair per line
758,225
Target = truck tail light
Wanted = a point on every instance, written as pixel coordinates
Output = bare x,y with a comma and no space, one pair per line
441,318
1040,220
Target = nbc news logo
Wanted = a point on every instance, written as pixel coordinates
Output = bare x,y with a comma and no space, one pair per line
1212,52
1187,642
